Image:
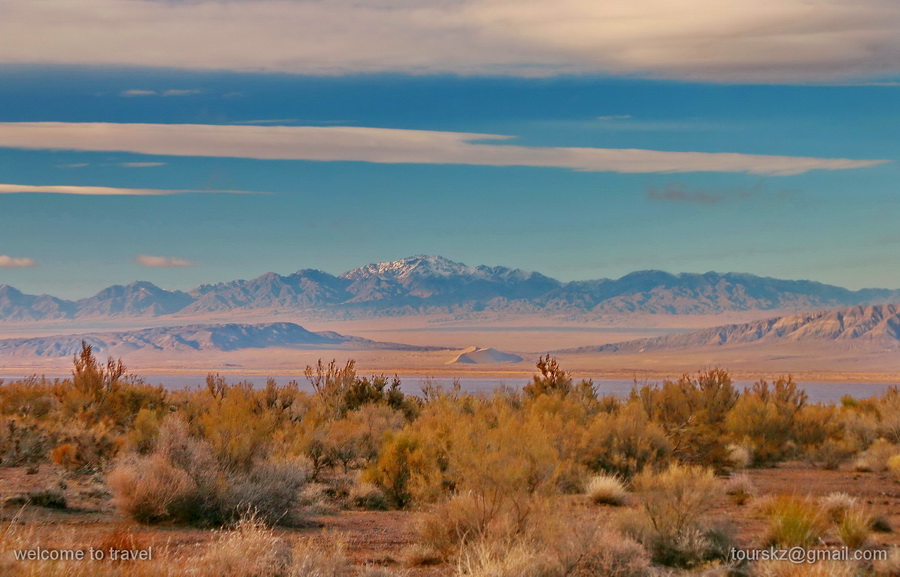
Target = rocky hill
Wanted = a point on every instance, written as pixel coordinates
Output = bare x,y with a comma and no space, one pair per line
875,326
225,337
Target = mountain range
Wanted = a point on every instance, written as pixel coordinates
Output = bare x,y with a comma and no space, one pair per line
432,284
873,327
225,337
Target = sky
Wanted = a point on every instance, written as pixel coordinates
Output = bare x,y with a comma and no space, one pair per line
190,142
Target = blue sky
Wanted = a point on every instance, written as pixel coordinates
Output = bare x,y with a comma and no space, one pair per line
553,139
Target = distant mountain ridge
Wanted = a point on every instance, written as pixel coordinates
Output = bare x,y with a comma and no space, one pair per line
223,337
876,326
427,284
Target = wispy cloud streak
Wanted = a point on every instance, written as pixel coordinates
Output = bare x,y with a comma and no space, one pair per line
16,262
388,146
163,261
716,40
105,190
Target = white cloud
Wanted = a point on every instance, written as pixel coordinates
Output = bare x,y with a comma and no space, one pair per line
179,92
141,164
105,190
136,92
388,146
13,262
615,117
719,40
170,92
163,261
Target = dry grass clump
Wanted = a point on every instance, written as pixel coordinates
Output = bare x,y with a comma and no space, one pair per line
818,569
419,555
367,496
560,554
494,559
794,522
740,488
837,504
877,457
249,549
740,456
851,520
854,528
311,559
606,490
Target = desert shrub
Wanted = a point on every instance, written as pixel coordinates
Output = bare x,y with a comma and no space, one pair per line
23,443
319,499
766,419
582,548
271,489
624,443
181,480
674,504
606,490
692,412
553,380
464,519
563,420
106,392
614,555
888,407
144,431
861,425
794,522
830,453
893,465
740,488
48,498
151,490
237,427
407,468
86,448
367,496
340,390
876,457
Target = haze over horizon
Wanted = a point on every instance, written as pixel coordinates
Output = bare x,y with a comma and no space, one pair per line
187,143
